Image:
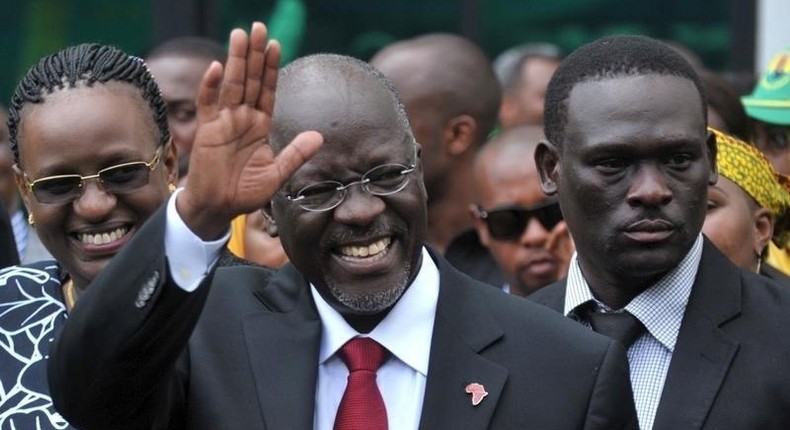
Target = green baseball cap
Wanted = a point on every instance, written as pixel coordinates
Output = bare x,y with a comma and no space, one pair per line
770,101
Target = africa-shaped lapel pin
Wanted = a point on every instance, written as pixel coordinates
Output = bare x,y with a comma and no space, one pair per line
478,392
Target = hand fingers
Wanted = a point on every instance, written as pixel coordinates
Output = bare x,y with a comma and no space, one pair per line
296,153
559,231
269,80
209,90
255,63
232,90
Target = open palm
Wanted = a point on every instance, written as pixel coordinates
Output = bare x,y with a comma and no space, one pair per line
232,167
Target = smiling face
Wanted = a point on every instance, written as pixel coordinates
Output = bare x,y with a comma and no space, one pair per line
81,131
362,254
632,176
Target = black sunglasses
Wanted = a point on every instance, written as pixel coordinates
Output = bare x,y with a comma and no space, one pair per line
508,223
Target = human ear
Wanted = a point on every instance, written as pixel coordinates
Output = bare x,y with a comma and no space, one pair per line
21,185
271,224
547,162
459,134
763,229
480,226
713,175
170,161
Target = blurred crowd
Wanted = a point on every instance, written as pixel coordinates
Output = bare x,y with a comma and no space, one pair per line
586,182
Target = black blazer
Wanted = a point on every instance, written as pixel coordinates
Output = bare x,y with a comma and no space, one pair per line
731,364
138,352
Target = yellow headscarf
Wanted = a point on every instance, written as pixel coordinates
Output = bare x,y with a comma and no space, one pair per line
748,168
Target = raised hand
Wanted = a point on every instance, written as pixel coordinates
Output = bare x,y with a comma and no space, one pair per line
232,167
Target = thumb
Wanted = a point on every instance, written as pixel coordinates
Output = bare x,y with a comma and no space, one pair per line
296,153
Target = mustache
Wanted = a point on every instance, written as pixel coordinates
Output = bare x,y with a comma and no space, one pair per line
346,234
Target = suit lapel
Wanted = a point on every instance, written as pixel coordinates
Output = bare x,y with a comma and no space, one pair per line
462,329
704,352
283,345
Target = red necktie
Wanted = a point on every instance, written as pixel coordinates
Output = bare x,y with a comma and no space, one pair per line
362,407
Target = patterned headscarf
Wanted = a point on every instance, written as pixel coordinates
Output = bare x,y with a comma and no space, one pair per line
748,168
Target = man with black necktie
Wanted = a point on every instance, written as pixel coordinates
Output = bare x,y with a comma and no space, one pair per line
630,160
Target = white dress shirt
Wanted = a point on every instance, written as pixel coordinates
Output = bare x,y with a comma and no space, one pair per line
406,331
660,309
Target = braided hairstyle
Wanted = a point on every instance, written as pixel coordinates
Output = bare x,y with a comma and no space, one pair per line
87,63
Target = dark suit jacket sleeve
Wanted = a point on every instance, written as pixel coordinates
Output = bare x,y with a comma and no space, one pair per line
115,365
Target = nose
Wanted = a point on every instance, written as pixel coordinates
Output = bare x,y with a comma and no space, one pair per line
359,207
94,204
649,187
534,235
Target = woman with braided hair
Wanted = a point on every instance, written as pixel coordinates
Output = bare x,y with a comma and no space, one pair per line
94,159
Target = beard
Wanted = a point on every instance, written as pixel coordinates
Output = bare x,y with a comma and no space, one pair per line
375,301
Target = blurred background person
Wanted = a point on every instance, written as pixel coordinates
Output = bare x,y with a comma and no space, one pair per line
769,108
524,73
178,66
725,110
451,97
253,240
515,223
28,246
94,160
747,206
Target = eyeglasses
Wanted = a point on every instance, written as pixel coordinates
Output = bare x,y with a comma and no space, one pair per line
382,180
508,223
121,178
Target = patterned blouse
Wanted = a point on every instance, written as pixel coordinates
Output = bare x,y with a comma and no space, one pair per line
32,314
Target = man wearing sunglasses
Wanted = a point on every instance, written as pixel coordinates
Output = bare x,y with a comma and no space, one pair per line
519,242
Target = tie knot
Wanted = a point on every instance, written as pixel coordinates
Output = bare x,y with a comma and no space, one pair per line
620,326
363,353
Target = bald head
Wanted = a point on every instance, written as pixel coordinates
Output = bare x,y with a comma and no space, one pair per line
511,151
446,72
312,90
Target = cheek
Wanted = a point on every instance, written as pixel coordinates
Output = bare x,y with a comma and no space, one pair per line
49,222
506,255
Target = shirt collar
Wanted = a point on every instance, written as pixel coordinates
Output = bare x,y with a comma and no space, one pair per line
660,308
406,331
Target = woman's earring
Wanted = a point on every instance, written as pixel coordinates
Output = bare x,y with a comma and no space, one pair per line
31,220
171,187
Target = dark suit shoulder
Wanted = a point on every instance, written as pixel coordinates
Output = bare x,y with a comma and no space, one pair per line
547,324
252,286
524,319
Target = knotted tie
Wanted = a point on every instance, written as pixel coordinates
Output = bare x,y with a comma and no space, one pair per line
362,407
620,326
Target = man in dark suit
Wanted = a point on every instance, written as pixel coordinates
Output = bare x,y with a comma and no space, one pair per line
156,344
630,161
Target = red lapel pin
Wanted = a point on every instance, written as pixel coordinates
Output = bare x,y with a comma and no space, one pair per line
478,392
